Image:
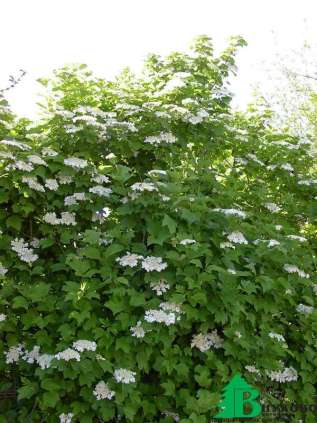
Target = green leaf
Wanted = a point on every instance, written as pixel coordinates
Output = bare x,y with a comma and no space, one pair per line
170,223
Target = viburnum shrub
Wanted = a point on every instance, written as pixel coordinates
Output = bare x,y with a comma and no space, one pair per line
153,244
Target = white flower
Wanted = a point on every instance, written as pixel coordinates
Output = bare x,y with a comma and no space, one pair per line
205,342
160,287
138,330
46,151
101,215
100,190
44,360
163,137
290,268
3,270
297,238
2,317
100,179
238,334
187,241
35,243
273,243
227,245
288,374
308,182
288,167
277,336
66,218
7,155
167,306
36,160
278,227
75,162
124,376
302,308
102,391
68,354
157,172
160,316
17,144
84,345
66,418
13,354
237,238
152,263
31,181
253,369
232,212
71,200
51,184
24,252
315,288
143,186
65,179
21,165
32,356
272,207
129,259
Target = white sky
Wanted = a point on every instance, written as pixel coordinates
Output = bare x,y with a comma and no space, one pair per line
40,35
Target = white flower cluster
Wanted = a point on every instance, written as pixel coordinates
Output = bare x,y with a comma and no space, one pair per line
149,264
3,270
100,190
143,186
66,418
14,353
2,317
160,287
46,151
76,163
71,200
32,182
163,137
314,286
23,250
290,268
67,355
101,215
297,238
231,212
168,314
304,309
100,179
20,165
66,218
51,184
307,182
277,336
33,158
253,369
205,342
64,179
102,391
124,376
13,143
187,241
237,238
157,172
288,374
272,207
84,345
138,331
6,155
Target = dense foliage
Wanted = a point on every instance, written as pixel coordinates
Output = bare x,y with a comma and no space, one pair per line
153,244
